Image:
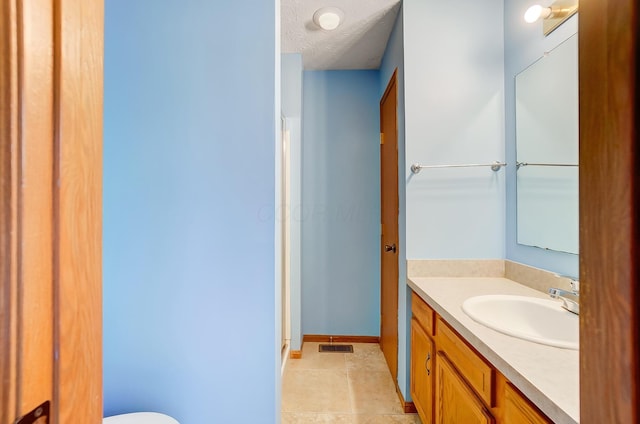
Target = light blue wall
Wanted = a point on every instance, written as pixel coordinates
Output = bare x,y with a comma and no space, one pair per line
394,59
341,203
454,93
291,78
524,44
190,321
451,110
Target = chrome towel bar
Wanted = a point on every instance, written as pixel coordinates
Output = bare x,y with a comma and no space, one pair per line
495,166
520,164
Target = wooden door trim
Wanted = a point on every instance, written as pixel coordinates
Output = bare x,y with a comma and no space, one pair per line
330,338
35,227
64,44
392,81
79,35
609,212
8,209
27,194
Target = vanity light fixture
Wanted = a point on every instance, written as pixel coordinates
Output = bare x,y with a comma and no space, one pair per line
536,12
328,18
553,16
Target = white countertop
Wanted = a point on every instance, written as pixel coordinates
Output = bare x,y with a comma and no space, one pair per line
548,376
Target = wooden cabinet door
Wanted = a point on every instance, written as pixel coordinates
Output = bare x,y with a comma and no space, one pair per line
422,371
455,401
519,410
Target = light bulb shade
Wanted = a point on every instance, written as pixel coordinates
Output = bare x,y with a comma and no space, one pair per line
553,16
328,18
536,12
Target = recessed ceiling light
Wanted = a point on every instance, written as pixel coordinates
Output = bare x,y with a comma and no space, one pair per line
328,18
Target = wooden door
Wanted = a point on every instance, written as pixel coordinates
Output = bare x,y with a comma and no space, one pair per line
389,226
455,401
422,371
50,218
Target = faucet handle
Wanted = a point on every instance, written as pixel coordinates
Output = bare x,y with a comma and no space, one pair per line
573,281
569,304
575,285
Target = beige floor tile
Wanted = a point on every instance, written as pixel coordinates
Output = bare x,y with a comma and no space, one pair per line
314,390
386,419
341,388
312,359
373,392
307,418
366,356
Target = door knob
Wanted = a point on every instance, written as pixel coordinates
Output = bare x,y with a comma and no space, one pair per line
390,248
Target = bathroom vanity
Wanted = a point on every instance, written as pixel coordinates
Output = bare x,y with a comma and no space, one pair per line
463,371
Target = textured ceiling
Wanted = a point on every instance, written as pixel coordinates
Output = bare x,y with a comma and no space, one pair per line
358,43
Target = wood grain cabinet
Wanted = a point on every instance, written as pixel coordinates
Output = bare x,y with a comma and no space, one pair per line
519,410
452,383
423,359
478,373
455,400
422,371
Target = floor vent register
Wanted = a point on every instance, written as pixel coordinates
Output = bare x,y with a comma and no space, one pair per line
335,348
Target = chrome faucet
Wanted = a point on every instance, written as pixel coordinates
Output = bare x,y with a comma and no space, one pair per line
570,305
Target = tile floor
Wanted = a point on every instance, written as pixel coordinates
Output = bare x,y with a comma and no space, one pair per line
341,388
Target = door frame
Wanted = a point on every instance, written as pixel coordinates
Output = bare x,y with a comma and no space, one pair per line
72,365
609,211
285,219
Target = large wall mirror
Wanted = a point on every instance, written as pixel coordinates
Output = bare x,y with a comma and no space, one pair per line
547,150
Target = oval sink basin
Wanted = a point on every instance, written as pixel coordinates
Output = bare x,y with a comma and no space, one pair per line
538,320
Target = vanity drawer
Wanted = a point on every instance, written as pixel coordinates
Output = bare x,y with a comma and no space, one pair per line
478,373
423,313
